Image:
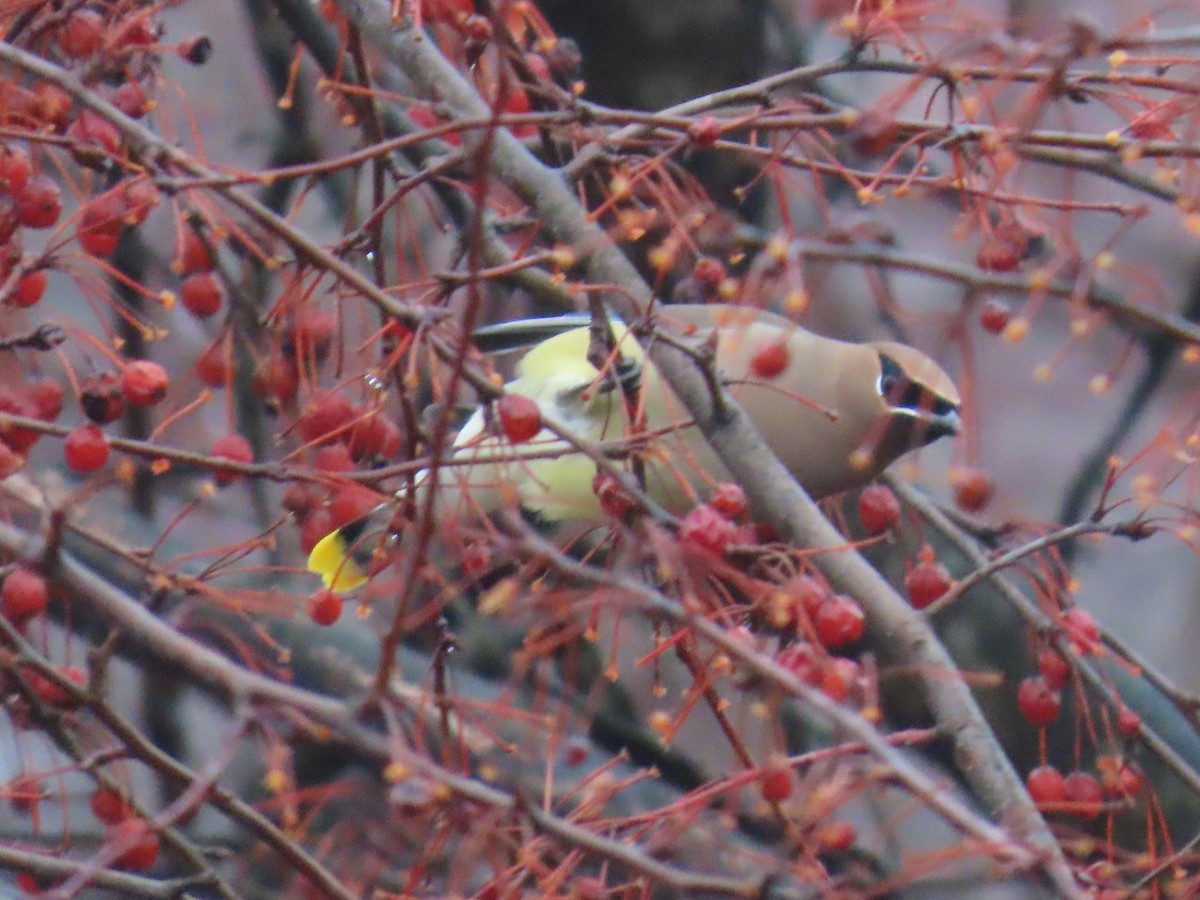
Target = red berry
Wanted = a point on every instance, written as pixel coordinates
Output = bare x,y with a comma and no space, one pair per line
299,500
705,131
1154,124
93,131
232,447
707,529
51,105
15,169
106,212
614,499
82,34
24,793
109,806
311,333
878,509
808,593
100,223
1053,667
31,884
325,607
143,852
776,782
86,448
325,418
1038,702
23,595
138,31
1129,781
836,837
130,98
30,289
1084,790
475,559
1046,785
576,752
192,255
520,418
333,458
373,434
729,500
351,502
18,439
972,488
926,582
709,272
49,692
98,243
839,622
803,660
477,28
995,316
770,360
394,334
999,253
39,204
144,382
875,133
1082,630
838,678
140,198
46,396
518,103
213,365
276,380
101,398
1129,723
201,294
315,526
424,116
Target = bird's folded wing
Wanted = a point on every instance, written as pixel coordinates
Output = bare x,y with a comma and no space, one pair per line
504,337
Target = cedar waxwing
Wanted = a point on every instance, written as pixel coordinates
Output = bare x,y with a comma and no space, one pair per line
835,413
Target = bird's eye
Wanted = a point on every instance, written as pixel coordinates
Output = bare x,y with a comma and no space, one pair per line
891,378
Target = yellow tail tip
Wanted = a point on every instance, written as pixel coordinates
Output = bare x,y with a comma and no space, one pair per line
330,559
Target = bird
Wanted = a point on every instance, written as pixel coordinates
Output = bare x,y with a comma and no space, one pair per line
835,413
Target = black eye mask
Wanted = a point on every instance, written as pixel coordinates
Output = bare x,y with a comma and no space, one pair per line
905,395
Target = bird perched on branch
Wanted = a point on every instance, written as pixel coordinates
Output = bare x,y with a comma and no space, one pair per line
835,413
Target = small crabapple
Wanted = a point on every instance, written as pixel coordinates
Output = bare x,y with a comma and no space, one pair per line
878,509
86,448
520,418
1039,703
770,360
1046,785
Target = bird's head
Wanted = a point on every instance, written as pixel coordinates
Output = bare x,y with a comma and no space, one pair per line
921,402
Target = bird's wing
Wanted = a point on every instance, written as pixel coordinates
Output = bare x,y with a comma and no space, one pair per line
519,334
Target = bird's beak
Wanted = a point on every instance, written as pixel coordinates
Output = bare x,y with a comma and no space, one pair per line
943,425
